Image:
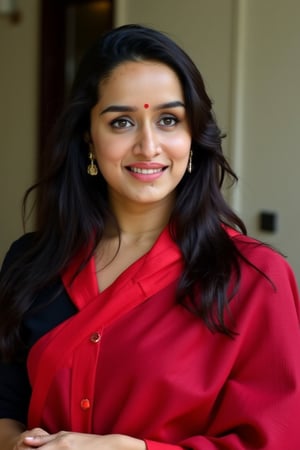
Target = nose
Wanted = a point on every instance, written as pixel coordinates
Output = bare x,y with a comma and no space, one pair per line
147,142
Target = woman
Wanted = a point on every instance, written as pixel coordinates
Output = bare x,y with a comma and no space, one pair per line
139,314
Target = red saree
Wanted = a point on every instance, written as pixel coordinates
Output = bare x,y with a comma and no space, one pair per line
134,362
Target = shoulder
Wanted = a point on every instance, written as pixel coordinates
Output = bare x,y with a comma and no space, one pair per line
264,269
266,297
17,248
260,254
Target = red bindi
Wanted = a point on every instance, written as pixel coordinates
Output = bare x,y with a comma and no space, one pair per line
146,105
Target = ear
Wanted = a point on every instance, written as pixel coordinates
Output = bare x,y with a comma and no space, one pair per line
87,137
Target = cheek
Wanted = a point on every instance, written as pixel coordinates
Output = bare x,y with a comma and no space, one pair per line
108,150
180,147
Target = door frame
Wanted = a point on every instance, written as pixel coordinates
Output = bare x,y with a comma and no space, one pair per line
52,67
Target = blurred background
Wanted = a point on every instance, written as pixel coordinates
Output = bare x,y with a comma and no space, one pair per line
248,52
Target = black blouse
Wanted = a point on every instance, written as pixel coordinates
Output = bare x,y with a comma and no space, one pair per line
45,313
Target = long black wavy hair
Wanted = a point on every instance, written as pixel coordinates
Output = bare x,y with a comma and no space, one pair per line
73,209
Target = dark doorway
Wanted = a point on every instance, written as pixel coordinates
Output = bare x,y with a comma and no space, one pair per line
68,27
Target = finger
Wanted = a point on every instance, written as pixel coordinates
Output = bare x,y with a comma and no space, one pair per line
38,440
21,444
31,441
35,432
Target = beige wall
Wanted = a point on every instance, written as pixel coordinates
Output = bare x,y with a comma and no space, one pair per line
18,116
269,150
248,52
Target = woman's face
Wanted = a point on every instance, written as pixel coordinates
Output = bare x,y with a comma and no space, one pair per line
140,134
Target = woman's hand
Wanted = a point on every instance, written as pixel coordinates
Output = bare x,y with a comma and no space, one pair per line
65,440
22,444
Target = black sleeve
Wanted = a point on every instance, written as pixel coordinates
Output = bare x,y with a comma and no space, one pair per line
14,385
51,307
16,249
14,391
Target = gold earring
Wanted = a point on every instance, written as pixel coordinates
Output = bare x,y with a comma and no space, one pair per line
190,166
92,169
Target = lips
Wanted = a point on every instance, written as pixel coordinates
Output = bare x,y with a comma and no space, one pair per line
146,171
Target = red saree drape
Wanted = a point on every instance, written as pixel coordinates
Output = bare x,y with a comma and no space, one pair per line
133,361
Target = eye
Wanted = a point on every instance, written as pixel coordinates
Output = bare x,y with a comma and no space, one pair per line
121,123
168,121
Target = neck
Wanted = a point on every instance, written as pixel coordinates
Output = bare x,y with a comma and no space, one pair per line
138,222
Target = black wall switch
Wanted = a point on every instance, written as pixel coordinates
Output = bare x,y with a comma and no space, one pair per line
268,221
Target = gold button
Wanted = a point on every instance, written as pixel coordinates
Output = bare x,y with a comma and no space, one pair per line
95,337
85,404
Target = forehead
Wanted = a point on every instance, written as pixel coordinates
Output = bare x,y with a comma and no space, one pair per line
141,78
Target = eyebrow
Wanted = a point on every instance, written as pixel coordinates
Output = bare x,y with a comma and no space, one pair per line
174,104
126,108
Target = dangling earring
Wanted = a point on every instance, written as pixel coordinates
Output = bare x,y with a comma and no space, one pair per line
92,169
190,166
